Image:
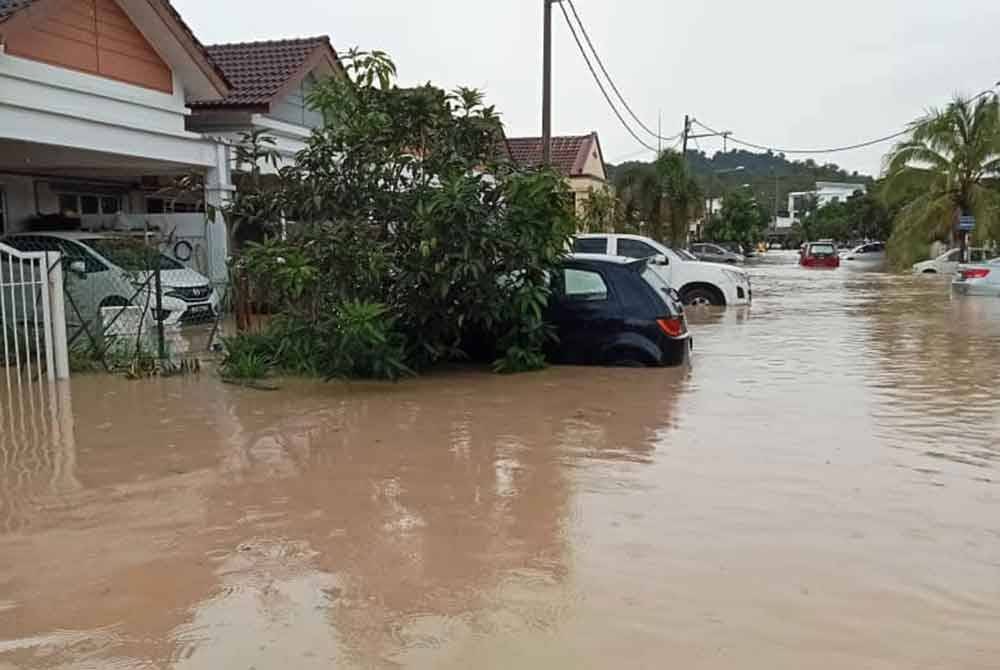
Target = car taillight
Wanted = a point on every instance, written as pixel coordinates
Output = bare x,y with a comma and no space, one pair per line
975,273
674,327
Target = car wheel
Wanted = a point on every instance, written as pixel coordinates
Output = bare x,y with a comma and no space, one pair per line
700,297
930,272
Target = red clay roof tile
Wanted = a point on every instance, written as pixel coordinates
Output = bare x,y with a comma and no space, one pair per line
259,70
569,154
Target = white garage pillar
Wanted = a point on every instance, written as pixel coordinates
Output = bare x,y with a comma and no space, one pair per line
219,191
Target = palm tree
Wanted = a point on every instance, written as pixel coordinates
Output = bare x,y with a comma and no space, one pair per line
949,166
682,199
660,200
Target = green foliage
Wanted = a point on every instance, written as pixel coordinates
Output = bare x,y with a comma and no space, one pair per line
247,357
950,165
659,199
763,173
741,219
602,212
411,230
361,342
862,216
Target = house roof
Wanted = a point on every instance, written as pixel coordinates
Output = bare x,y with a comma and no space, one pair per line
9,9
260,71
569,153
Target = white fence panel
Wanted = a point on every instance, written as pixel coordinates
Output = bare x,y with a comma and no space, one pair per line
32,317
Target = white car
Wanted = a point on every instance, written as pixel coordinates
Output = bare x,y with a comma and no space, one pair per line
947,263
980,279
104,271
697,283
872,253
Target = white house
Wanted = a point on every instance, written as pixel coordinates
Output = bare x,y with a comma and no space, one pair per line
825,193
104,103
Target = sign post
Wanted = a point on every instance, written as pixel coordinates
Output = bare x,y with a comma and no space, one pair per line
966,224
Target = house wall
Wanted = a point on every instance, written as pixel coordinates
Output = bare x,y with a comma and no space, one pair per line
56,106
582,187
594,165
293,109
97,37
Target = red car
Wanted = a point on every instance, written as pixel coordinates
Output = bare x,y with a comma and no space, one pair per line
819,255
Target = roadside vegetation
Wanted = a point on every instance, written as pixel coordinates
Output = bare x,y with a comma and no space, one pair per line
949,166
410,238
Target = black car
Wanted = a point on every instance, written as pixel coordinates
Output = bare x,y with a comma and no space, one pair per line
610,311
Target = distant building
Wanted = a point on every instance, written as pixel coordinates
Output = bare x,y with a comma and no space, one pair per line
578,158
825,193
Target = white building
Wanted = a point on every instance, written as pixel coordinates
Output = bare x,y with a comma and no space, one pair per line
104,103
825,193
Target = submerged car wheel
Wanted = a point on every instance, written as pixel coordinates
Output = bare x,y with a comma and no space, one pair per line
699,296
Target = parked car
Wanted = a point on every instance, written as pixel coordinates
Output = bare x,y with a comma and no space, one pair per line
713,253
870,253
822,254
948,262
980,279
609,310
104,271
697,283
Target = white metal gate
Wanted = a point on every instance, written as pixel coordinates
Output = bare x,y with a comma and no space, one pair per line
32,317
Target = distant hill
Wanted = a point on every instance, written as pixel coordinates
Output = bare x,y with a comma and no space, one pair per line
761,171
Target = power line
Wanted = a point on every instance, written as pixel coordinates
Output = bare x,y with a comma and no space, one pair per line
607,75
834,150
597,80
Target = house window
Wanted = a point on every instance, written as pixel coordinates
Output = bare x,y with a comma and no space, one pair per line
167,206
83,203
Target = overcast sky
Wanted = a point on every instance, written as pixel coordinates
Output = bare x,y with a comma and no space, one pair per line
786,73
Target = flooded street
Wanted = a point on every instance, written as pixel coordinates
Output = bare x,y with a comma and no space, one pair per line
820,490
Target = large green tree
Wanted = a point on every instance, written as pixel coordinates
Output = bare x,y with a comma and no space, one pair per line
950,165
411,228
741,219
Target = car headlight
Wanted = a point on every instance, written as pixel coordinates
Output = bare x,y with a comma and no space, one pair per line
738,278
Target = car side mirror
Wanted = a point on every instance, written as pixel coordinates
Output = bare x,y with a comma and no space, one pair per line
660,259
78,268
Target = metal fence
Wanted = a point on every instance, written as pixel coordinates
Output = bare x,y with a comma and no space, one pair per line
33,342
130,306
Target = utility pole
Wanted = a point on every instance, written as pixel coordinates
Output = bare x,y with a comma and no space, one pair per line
547,85
687,133
659,134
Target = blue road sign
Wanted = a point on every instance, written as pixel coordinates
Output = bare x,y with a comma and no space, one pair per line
966,223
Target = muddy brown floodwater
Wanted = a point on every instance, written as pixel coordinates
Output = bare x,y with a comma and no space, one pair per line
819,490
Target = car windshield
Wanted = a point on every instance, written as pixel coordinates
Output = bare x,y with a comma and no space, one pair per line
822,250
131,255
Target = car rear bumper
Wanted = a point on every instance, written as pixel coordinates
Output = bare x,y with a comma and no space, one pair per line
976,288
676,351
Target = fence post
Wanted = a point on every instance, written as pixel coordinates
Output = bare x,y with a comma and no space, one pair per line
57,304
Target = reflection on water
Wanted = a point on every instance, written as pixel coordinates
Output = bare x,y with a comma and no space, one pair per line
819,490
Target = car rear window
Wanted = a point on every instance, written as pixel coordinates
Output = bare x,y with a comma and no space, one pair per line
584,285
822,250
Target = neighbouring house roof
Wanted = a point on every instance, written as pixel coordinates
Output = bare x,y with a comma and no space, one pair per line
261,71
9,9
569,153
